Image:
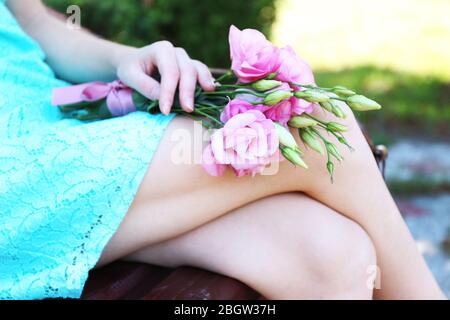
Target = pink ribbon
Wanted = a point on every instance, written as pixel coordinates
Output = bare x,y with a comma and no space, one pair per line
119,99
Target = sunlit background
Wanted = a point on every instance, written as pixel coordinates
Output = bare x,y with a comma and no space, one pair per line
404,35
397,52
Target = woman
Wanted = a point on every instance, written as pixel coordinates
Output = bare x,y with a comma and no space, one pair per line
80,195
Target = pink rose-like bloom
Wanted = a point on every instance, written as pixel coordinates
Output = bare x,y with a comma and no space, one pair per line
247,143
280,112
295,69
237,106
253,57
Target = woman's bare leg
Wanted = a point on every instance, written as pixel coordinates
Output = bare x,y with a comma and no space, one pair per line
176,198
305,251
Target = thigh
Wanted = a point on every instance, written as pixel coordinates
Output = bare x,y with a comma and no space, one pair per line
177,195
281,246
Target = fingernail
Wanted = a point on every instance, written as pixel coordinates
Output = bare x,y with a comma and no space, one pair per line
188,102
189,107
164,108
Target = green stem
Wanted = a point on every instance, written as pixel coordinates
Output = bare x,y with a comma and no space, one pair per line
224,76
235,92
197,110
322,124
235,86
316,119
208,116
337,136
325,141
207,105
212,93
248,91
320,136
219,100
309,86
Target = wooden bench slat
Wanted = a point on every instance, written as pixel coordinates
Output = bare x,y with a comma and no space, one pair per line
121,278
129,280
194,284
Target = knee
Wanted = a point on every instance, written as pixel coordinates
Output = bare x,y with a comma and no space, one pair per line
341,261
319,257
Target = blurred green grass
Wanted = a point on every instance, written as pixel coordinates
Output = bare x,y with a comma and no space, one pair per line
412,104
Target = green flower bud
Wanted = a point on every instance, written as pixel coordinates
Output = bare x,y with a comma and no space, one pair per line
342,140
327,105
272,75
285,137
277,96
312,95
343,91
264,85
337,111
331,148
293,156
362,103
311,140
330,169
336,127
301,122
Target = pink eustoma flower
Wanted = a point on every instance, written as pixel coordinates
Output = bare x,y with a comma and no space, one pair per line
253,57
281,112
237,106
247,143
295,69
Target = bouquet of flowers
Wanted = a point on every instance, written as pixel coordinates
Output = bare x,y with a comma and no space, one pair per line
267,91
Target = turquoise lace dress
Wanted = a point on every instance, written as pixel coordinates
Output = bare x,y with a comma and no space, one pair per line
65,185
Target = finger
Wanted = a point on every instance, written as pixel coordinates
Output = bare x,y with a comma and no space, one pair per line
205,77
143,83
188,80
166,62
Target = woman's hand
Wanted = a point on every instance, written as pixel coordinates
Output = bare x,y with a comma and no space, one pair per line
175,68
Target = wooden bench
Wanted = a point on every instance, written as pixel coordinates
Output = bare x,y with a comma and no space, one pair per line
138,281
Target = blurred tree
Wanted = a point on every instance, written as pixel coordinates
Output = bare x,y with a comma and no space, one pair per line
200,26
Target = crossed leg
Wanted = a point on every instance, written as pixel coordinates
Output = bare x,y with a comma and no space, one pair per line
176,198
286,247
